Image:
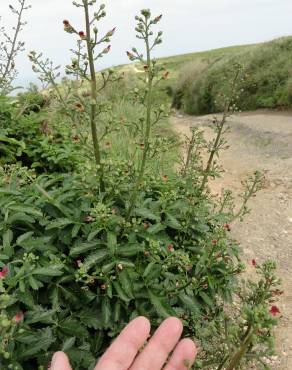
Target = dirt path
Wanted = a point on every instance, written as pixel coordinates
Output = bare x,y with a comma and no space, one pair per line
261,141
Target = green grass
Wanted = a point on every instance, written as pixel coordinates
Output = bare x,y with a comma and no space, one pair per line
199,78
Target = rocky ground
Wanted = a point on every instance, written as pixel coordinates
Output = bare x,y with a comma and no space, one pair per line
261,141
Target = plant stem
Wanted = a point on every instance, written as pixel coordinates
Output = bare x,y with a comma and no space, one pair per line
14,41
235,360
93,102
147,130
219,133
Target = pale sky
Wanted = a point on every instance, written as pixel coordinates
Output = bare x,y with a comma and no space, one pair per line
188,26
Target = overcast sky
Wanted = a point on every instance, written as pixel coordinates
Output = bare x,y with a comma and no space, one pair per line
188,26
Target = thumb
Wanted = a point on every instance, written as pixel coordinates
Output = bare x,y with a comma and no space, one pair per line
60,362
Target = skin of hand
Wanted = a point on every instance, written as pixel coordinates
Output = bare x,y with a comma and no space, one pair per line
124,354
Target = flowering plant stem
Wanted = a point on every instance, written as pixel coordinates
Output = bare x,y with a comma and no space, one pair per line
93,102
149,103
218,142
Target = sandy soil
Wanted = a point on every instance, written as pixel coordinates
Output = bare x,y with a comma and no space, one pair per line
261,141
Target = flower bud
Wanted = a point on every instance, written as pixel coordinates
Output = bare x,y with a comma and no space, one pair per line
130,56
82,35
106,50
111,33
157,19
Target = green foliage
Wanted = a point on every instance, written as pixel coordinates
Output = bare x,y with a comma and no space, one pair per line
85,247
267,83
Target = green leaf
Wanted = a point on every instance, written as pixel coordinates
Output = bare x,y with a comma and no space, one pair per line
155,229
121,292
146,214
206,299
95,258
80,248
148,269
37,341
59,223
130,250
24,237
112,242
89,317
52,270
126,283
20,217
39,315
189,302
163,309
68,343
72,326
26,209
33,283
172,222
106,312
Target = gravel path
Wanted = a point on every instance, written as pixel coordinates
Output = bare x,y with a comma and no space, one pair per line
261,141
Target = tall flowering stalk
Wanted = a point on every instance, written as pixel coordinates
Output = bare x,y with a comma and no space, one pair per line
153,76
87,69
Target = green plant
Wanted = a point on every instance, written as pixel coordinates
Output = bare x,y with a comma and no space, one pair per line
82,251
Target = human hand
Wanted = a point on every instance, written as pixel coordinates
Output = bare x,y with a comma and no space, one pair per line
123,352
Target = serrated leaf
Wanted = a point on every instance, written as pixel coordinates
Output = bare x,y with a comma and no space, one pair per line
39,315
59,223
52,270
111,241
120,292
37,341
146,214
68,344
72,326
148,269
81,248
155,229
206,299
161,307
24,237
130,250
126,283
189,302
172,222
95,258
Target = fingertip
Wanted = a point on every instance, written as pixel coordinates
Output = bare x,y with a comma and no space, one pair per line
143,323
60,361
175,324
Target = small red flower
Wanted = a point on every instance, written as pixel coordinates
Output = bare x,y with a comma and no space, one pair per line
66,23
205,286
274,311
254,262
214,242
157,19
227,227
165,178
18,317
4,272
82,35
170,248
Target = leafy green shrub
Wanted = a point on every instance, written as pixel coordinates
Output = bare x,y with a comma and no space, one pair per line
266,85
79,271
84,252
31,101
34,142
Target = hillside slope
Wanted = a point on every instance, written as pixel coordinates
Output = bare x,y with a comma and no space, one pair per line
201,77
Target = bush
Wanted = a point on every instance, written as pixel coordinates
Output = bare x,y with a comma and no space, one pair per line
86,246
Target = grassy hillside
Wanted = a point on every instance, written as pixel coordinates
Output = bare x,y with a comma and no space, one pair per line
198,79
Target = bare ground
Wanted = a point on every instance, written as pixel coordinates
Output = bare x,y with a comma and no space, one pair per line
261,141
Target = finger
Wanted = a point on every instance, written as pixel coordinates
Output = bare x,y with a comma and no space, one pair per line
183,356
160,345
124,349
60,362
